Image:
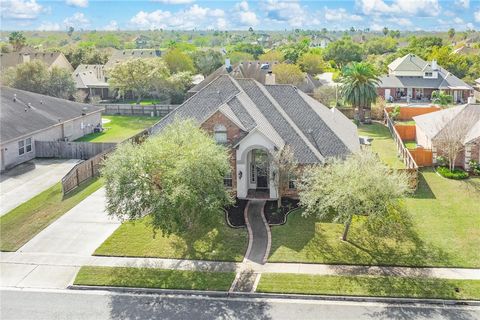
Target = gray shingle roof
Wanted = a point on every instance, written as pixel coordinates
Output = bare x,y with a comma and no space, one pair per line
123,55
45,111
281,112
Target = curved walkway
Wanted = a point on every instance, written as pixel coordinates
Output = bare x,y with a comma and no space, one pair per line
259,237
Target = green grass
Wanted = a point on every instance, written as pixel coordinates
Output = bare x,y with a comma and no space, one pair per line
382,144
154,278
120,128
378,286
136,239
21,224
405,123
410,144
442,229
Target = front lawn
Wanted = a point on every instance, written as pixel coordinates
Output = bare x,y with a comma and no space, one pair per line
154,278
21,224
377,286
136,239
443,231
120,128
382,144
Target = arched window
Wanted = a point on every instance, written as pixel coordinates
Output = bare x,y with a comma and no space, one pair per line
220,133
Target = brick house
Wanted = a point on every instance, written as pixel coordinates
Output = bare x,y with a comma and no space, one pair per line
431,128
254,120
411,78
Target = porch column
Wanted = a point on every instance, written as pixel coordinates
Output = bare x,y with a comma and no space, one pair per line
434,155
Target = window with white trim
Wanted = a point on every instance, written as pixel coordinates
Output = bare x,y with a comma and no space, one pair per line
24,146
292,183
220,132
228,180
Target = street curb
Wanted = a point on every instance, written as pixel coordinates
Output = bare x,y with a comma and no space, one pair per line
258,295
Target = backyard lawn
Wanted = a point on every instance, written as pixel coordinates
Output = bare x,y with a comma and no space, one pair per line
119,128
136,239
21,224
154,278
370,286
443,230
382,143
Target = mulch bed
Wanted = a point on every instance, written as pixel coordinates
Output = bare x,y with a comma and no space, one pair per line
235,214
274,215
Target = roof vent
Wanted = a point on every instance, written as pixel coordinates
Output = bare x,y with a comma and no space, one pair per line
14,97
25,109
29,105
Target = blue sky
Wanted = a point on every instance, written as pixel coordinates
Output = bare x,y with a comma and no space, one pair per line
239,15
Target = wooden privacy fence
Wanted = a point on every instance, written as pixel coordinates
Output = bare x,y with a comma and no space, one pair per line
408,160
91,167
407,113
406,132
423,157
70,150
157,110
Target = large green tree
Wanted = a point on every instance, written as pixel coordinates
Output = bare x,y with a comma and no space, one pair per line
207,61
17,40
175,177
85,54
358,86
360,185
288,74
343,51
312,63
178,61
137,76
60,83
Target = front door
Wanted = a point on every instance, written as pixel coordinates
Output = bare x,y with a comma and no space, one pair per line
261,169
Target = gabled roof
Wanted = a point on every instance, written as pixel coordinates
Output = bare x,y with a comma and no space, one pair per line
19,118
282,113
89,76
445,80
468,115
12,59
123,55
410,62
254,70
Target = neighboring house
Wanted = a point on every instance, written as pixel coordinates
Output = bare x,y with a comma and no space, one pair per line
477,82
90,78
467,49
253,120
432,127
27,117
412,78
51,59
320,42
124,55
261,71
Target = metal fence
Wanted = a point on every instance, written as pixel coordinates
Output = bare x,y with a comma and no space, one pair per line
158,110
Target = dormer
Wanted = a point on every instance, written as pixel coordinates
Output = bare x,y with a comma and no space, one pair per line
430,71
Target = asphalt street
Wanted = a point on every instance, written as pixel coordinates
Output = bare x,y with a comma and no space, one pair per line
67,304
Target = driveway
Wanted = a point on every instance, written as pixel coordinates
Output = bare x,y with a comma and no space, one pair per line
76,234
28,179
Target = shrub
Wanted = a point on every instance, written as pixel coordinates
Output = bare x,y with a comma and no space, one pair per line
442,161
456,174
474,167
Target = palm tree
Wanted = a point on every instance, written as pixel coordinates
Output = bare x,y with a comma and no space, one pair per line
358,86
441,98
17,40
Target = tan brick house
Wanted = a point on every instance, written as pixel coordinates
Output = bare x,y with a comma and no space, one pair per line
254,120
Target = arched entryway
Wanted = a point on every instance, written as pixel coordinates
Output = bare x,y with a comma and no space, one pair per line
258,173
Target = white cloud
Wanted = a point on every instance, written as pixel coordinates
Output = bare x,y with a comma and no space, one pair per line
400,7
111,26
248,18
290,12
77,3
463,3
20,9
403,22
49,26
175,1
376,27
340,15
242,6
458,20
477,15
191,18
78,20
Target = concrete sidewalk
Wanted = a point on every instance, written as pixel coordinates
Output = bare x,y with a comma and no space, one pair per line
26,180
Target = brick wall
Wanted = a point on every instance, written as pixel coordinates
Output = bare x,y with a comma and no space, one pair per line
233,133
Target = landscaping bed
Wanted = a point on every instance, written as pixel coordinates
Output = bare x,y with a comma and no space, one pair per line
154,278
235,214
24,222
277,216
456,174
376,286
215,242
